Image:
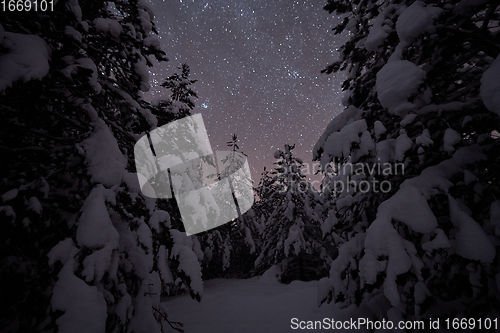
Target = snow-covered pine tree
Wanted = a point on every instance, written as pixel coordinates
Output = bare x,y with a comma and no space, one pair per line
422,90
243,231
182,93
292,238
231,248
82,249
262,206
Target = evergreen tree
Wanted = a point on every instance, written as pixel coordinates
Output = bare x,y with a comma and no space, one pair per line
82,249
180,86
292,236
420,95
233,243
181,102
263,205
233,144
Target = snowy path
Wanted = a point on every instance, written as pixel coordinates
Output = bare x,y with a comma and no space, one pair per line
251,306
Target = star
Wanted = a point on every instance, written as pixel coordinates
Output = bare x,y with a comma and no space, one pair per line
258,66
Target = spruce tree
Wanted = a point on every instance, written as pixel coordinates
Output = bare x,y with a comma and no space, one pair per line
82,249
231,248
419,93
292,236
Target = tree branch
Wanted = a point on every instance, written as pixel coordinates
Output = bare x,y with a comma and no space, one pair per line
174,324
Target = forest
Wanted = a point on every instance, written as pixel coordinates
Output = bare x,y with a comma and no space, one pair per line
405,221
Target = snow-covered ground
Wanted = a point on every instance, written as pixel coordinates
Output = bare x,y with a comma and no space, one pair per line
253,306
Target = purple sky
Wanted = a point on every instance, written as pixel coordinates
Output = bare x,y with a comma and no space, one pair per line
258,67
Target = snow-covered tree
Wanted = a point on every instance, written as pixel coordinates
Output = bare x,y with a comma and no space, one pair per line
263,206
231,248
414,198
182,98
292,236
82,249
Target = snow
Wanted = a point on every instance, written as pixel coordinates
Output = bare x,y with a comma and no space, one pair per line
144,236
471,241
76,9
329,223
295,238
257,305
63,251
421,292
338,122
469,177
385,150
347,251
105,160
408,119
72,32
131,179
153,41
141,69
85,310
108,25
89,64
424,139
98,262
35,205
188,261
348,200
409,206
435,179
440,241
383,240
451,106
44,188
147,299
379,31
397,81
346,97
150,117
340,143
159,216
379,128
24,57
403,144
9,195
376,37
145,19
412,22
366,144
490,86
8,211
416,20
164,270
450,139
74,64
95,228
124,304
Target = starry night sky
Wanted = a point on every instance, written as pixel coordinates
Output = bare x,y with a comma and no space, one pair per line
258,67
